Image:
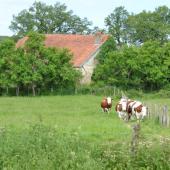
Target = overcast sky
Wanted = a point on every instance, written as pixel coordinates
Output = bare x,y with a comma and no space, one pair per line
95,10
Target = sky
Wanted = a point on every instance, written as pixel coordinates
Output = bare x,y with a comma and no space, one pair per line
95,10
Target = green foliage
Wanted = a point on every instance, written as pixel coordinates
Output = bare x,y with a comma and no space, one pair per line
139,28
145,26
107,47
35,66
7,53
3,37
45,18
116,23
145,67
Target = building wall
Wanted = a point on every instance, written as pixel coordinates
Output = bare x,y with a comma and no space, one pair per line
87,69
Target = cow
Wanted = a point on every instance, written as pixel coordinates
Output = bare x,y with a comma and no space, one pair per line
137,109
126,108
106,104
121,108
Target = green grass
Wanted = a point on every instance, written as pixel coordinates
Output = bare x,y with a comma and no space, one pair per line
71,113
72,132
66,113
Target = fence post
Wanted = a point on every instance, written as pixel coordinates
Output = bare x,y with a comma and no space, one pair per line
135,138
168,121
165,115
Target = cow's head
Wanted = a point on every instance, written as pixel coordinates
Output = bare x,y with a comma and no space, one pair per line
109,100
144,111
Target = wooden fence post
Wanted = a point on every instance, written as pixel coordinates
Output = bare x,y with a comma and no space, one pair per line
165,115
135,138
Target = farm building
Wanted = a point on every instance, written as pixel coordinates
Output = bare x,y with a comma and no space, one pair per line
84,49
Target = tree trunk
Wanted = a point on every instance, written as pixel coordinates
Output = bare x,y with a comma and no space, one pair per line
33,89
7,90
28,90
17,91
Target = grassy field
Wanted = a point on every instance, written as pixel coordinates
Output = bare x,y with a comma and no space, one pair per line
77,124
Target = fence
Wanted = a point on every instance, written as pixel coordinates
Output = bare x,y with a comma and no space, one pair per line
160,113
82,89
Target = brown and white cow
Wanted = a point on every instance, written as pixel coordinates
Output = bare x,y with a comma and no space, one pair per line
137,109
106,104
127,108
121,108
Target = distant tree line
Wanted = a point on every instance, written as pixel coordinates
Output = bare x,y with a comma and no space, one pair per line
34,67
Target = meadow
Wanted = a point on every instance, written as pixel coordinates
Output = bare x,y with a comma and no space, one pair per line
71,132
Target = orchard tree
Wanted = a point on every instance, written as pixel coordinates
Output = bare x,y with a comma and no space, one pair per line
59,72
47,67
7,53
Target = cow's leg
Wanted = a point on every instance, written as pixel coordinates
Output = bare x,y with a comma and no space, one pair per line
129,116
119,114
138,116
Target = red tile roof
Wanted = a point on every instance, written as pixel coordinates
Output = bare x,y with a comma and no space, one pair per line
82,46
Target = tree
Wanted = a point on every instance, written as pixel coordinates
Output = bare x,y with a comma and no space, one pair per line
7,52
46,67
116,23
108,46
59,72
144,67
120,68
153,71
146,26
166,62
48,19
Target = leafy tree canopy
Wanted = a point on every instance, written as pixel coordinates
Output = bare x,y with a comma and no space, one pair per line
34,66
116,23
45,18
139,28
145,67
